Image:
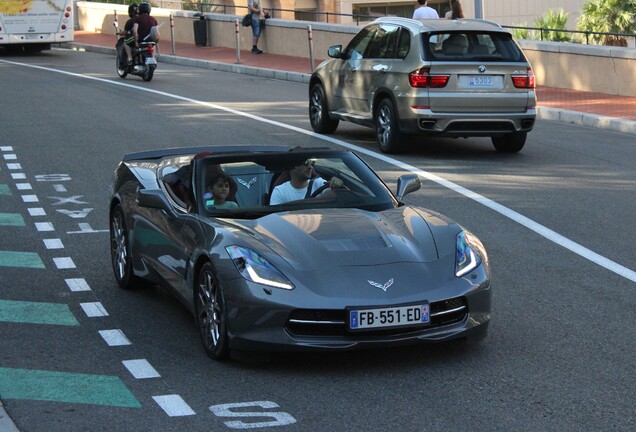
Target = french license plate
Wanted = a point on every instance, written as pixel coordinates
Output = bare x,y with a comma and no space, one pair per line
481,81
397,316
151,60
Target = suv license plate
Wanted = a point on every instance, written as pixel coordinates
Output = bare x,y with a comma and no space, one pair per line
397,316
480,81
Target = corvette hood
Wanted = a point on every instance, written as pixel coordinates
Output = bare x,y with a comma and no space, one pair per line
323,239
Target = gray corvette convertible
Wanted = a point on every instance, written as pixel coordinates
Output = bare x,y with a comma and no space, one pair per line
278,249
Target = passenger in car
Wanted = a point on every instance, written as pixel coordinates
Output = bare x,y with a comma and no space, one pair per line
218,190
455,44
178,182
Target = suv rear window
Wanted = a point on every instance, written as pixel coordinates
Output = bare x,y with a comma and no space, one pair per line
471,46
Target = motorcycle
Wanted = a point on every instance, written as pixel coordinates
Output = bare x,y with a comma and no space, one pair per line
144,60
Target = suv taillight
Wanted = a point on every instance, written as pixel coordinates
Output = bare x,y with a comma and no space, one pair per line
422,78
524,81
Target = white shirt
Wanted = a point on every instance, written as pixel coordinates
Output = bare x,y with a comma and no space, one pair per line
286,192
425,12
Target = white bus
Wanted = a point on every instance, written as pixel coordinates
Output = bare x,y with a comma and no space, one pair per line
35,24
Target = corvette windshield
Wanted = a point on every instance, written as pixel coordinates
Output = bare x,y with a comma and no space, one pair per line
258,184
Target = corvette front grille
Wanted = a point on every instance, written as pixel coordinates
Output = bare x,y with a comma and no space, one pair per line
332,322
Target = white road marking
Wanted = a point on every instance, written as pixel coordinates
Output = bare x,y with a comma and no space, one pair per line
141,369
94,310
37,211
6,148
174,405
53,244
77,284
23,186
14,166
504,211
30,198
18,176
59,188
63,263
114,337
44,226
85,228
10,156
76,214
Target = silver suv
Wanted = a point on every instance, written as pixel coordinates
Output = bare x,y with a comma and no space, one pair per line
456,78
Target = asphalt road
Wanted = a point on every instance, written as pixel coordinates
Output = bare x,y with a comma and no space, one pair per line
557,219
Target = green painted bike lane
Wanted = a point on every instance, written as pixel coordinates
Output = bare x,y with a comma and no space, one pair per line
45,385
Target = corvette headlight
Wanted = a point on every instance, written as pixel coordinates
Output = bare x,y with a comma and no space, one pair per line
466,260
255,268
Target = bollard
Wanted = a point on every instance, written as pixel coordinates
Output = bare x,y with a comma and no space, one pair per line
310,38
237,30
116,24
172,33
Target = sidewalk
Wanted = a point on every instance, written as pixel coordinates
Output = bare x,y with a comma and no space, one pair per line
599,110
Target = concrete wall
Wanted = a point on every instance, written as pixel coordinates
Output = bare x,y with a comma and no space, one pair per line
601,69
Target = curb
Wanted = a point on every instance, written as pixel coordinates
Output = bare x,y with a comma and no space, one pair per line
543,113
585,119
6,424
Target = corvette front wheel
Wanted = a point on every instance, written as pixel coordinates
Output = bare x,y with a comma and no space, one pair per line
121,257
211,316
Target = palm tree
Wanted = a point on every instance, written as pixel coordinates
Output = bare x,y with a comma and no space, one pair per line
553,20
609,16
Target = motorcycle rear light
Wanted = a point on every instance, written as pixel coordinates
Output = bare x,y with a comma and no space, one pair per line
421,78
524,81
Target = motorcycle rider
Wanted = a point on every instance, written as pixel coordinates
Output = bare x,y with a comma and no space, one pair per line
127,32
144,24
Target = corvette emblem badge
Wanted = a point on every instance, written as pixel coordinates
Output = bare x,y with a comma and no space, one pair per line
247,184
382,287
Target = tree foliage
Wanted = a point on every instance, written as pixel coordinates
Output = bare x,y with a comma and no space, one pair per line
608,16
550,24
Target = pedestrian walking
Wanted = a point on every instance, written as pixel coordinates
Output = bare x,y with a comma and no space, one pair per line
424,11
455,11
258,19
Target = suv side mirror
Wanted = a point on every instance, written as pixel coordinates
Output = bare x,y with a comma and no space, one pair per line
335,51
406,184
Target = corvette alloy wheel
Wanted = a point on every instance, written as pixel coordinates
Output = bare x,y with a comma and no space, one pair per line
119,249
210,314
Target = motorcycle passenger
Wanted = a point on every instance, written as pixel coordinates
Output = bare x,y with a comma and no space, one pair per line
144,24
127,32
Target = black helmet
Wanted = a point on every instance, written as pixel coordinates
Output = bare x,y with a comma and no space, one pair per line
144,7
133,10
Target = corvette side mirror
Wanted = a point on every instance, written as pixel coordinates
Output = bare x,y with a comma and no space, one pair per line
152,198
406,184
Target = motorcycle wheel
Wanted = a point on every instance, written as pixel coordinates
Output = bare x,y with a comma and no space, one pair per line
122,70
150,70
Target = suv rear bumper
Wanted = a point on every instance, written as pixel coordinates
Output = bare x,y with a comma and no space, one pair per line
461,125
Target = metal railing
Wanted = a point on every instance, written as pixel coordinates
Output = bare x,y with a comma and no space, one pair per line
318,16
544,32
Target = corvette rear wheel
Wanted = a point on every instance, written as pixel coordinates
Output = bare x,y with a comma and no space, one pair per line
120,249
210,313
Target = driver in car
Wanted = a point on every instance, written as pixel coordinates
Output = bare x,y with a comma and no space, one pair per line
302,186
